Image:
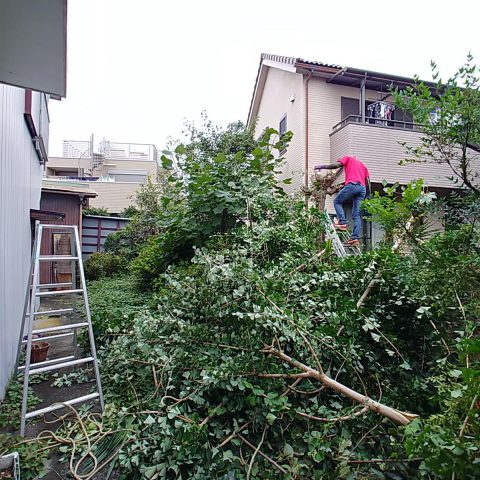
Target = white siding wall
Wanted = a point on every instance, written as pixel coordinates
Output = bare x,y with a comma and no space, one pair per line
275,103
20,182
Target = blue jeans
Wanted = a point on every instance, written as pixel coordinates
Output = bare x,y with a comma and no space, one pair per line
356,193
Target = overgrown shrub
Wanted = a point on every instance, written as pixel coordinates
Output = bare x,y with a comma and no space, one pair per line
104,264
100,211
209,195
227,376
33,455
114,302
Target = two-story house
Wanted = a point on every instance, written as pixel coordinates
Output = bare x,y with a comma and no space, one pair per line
335,111
113,170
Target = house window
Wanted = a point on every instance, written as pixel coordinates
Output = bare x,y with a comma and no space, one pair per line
282,128
350,106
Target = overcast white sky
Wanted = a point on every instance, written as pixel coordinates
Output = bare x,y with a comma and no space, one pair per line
138,68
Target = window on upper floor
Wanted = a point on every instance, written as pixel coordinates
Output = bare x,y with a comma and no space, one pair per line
282,128
350,106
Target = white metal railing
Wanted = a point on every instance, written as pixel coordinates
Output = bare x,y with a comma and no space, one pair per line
128,151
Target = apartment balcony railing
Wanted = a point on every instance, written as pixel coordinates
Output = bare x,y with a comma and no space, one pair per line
128,151
377,122
81,149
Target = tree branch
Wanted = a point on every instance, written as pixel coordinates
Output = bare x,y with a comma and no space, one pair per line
252,460
266,457
397,416
361,412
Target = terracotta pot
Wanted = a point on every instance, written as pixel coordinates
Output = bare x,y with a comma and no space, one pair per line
39,352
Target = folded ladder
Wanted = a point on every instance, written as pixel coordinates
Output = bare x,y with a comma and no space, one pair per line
29,334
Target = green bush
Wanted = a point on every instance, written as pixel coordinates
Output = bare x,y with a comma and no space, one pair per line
114,302
99,211
32,455
104,264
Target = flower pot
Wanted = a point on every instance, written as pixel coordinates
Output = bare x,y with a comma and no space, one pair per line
39,352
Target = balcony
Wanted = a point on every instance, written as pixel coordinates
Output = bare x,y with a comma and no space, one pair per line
379,144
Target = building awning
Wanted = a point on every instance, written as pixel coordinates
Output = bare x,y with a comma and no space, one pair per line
68,188
45,215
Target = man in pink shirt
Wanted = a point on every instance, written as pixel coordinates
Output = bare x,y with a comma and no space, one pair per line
355,190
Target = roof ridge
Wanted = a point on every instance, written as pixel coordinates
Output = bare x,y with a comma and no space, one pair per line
293,60
279,58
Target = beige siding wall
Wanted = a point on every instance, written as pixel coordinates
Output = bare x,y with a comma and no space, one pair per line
275,103
325,110
381,150
114,196
20,183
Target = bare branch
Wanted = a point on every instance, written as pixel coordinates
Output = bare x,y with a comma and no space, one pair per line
234,434
266,457
465,422
396,415
282,375
361,412
252,460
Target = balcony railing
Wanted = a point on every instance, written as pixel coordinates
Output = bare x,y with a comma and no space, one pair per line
377,122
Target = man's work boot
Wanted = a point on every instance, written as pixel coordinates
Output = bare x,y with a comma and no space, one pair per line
353,242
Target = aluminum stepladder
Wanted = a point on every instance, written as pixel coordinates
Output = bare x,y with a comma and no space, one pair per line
339,239
32,311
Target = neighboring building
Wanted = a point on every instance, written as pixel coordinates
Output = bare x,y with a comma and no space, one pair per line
96,229
335,111
32,57
116,170
21,168
67,199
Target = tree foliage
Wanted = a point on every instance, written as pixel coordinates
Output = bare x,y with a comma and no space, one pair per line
229,365
450,119
99,211
210,192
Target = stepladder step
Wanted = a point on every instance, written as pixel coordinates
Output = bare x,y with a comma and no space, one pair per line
58,406
59,328
57,366
59,292
57,258
47,362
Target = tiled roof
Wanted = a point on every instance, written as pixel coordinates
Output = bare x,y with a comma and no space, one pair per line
294,60
319,64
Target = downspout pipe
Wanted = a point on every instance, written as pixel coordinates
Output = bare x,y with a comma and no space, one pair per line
306,129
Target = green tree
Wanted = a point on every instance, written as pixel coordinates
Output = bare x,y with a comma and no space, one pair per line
210,192
450,119
100,211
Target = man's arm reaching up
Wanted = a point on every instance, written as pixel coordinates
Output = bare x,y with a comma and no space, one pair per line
330,166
